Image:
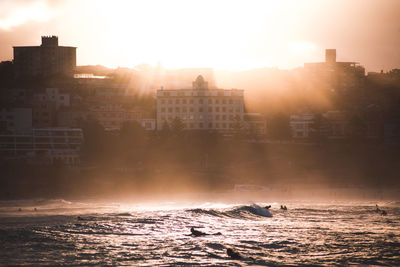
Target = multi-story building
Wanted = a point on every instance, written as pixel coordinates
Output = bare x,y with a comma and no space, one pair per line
112,115
300,125
255,123
59,98
337,76
15,119
200,108
47,59
48,143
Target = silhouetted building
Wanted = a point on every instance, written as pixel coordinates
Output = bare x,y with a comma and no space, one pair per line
112,115
200,108
45,60
337,76
45,145
15,119
255,123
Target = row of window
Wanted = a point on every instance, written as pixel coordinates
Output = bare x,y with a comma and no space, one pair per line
117,115
201,117
199,109
198,93
210,125
200,101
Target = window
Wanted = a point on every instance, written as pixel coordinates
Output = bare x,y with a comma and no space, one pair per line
184,109
191,101
200,101
177,109
200,125
191,109
217,117
224,101
200,109
210,125
223,109
162,101
224,125
177,101
230,101
169,109
183,101
209,109
209,101
216,101
217,109
223,117
170,101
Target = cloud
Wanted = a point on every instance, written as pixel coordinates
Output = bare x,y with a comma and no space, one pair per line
16,13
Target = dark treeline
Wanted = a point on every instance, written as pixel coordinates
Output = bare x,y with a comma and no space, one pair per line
135,162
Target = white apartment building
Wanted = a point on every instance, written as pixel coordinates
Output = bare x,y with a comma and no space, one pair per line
54,95
200,108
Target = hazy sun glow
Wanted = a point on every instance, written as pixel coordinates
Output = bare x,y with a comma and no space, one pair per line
223,34
218,34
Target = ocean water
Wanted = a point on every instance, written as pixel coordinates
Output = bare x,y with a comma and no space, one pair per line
88,233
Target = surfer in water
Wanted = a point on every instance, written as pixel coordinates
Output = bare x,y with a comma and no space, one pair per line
233,254
377,208
196,233
267,207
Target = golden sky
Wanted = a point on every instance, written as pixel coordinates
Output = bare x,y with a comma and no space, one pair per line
222,34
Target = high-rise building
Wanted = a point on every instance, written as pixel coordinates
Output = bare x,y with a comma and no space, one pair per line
200,108
45,60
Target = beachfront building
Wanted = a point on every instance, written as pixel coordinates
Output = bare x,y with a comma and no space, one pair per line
48,144
201,107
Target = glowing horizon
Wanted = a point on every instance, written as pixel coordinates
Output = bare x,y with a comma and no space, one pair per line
223,35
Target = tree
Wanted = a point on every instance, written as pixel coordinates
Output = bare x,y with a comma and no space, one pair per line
357,128
317,128
238,127
279,127
177,127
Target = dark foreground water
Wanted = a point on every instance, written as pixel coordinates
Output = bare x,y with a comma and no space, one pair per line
72,233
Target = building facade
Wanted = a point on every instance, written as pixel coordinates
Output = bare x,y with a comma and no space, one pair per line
14,119
300,125
339,77
47,59
48,143
200,108
59,98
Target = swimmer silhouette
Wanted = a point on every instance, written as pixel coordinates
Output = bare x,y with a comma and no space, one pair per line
267,207
196,233
377,208
383,213
233,254
283,207
199,233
